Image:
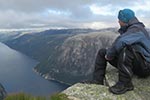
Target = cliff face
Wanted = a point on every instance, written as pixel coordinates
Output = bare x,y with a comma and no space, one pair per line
98,92
76,56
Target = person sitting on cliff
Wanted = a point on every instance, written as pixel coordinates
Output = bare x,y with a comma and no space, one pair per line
130,54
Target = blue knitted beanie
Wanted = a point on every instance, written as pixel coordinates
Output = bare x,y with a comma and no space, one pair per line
125,15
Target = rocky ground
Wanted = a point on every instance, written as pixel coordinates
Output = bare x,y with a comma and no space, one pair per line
98,92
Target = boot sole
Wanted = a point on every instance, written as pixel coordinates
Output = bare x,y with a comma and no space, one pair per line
122,92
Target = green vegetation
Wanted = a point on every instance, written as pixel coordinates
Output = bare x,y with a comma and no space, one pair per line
22,96
59,96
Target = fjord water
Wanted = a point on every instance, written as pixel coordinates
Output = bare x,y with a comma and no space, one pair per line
17,75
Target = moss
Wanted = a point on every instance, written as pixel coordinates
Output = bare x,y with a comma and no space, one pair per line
22,96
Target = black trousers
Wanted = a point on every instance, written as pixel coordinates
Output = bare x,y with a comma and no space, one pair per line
127,62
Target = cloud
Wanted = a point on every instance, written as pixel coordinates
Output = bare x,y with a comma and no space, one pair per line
103,10
67,13
40,5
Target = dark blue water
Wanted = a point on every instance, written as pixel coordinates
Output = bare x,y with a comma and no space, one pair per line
17,75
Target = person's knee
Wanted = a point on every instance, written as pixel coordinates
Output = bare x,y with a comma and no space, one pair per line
102,52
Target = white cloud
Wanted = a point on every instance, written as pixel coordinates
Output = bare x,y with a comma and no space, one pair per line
102,10
99,25
142,6
57,12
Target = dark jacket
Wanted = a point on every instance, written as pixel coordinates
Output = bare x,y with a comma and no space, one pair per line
135,35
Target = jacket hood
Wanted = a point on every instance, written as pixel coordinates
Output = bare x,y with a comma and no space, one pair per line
135,21
134,26
130,24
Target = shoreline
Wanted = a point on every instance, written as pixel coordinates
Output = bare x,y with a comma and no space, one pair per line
46,77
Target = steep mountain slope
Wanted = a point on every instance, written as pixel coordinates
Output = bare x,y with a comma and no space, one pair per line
64,55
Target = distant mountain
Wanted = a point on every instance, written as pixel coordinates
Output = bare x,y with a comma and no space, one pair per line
66,55
5,36
9,34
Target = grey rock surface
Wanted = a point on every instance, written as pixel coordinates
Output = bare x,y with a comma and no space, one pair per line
100,92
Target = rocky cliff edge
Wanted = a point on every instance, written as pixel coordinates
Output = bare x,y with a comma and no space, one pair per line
99,92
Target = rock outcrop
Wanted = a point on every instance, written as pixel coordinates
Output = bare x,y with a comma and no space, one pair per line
2,92
98,92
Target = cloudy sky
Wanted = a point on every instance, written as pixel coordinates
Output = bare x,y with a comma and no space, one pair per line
68,13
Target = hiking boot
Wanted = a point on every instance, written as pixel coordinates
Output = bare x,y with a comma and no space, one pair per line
93,82
120,88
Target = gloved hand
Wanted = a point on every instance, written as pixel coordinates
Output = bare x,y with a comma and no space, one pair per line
108,58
